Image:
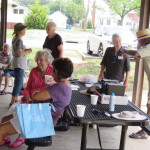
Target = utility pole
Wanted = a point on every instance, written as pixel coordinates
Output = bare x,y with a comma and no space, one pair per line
86,16
93,14
60,7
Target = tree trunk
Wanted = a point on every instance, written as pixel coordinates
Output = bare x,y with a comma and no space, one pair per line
86,16
122,17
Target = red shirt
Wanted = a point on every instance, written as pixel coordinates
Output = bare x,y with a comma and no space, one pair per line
36,82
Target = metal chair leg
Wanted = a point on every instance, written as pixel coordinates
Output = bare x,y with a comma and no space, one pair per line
12,82
99,138
31,147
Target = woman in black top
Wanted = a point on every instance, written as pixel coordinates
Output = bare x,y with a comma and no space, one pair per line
53,41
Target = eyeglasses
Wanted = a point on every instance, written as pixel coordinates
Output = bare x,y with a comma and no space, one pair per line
114,59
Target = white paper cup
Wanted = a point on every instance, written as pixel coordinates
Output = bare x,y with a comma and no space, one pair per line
94,99
80,110
0,65
48,79
94,126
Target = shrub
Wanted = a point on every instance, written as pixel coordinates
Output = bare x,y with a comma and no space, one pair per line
89,24
37,18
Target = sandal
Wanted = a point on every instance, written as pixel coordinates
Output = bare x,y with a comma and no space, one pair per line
5,140
17,143
12,104
9,105
139,135
3,93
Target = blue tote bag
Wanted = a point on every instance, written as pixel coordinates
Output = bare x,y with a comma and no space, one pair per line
35,120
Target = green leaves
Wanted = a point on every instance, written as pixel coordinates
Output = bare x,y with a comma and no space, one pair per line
122,7
57,5
27,3
37,18
73,9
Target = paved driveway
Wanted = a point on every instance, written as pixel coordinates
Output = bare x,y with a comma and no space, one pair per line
35,39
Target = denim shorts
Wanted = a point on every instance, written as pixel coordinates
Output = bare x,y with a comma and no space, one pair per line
8,72
18,75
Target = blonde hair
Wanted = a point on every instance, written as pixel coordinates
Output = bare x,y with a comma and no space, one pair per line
116,36
46,54
51,25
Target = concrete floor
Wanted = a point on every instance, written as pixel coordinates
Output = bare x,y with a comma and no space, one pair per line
70,140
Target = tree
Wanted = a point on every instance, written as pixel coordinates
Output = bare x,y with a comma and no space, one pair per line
86,16
37,17
57,5
122,7
80,2
70,8
25,3
74,12
89,24
43,2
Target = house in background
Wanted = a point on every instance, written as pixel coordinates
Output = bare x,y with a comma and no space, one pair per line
15,13
135,20
59,18
106,18
103,16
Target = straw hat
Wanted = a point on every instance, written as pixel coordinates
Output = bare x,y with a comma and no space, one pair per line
18,27
142,34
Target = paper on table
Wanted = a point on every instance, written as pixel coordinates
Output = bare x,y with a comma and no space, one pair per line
74,87
89,85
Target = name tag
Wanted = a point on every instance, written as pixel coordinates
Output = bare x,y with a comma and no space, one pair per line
120,57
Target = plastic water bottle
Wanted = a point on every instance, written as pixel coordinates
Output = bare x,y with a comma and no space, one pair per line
112,102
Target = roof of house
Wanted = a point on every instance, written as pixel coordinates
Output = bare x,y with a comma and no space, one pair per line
133,16
58,13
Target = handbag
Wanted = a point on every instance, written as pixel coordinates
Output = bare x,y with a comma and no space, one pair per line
35,120
63,123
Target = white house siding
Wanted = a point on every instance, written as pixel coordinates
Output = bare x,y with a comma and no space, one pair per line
59,18
105,16
13,18
16,17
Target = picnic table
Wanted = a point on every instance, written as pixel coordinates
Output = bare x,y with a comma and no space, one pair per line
101,119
